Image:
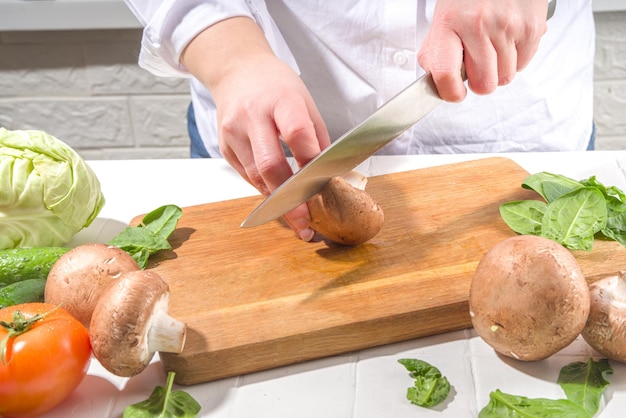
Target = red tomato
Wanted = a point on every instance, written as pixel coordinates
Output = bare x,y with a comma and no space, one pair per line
43,365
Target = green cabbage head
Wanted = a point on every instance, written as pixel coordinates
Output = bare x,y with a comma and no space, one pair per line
47,192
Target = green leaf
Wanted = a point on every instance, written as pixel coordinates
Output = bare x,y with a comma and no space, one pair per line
430,387
615,228
612,193
503,405
569,221
162,221
550,186
163,403
524,216
585,382
150,235
575,217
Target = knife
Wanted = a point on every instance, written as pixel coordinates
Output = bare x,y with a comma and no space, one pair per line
387,123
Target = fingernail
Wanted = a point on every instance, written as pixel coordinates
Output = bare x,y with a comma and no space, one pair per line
301,225
306,234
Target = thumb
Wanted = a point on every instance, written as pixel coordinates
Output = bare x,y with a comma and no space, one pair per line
441,54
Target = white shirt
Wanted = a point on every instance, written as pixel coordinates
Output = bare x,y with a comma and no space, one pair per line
354,55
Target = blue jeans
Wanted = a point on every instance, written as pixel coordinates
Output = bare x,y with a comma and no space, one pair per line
592,140
197,148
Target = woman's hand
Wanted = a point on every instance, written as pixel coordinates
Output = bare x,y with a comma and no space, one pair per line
259,100
493,38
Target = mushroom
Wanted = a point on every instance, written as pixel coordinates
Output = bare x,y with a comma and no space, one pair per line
606,326
78,277
528,298
344,212
130,323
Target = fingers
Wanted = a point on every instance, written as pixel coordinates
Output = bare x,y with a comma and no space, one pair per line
493,39
252,145
298,220
485,65
305,137
259,158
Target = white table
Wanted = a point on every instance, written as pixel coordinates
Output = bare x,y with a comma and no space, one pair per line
368,383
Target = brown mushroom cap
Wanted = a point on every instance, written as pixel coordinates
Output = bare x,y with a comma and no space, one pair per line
130,323
79,277
528,298
345,214
605,330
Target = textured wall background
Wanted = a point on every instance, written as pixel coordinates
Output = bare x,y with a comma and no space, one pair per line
84,86
610,80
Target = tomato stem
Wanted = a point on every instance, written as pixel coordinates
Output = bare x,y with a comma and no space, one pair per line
19,325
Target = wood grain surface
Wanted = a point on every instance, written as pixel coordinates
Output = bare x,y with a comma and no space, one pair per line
259,298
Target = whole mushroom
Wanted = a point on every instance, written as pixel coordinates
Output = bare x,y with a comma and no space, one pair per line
605,330
344,212
528,298
130,323
78,277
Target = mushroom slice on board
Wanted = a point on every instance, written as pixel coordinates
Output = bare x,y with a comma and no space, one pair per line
130,323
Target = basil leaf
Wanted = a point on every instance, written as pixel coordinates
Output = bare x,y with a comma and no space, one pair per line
163,403
524,216
430,387
150,235
585,382
574,218
502,405
550,186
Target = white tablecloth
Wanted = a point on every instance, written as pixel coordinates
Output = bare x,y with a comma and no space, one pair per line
364,384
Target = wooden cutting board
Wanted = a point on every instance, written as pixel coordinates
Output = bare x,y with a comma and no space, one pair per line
258,298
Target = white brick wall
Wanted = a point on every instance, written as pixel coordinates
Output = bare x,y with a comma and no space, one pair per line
86,88
610,80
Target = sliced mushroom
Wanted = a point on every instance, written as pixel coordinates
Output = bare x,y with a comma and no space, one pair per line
344,212
130,323
605,330
79,277
528,298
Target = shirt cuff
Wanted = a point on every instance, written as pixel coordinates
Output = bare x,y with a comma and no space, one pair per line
175,23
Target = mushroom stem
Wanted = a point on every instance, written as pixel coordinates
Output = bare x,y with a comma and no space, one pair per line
130,324
356,179
166,334
617,293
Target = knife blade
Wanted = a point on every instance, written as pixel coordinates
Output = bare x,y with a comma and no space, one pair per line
384,125
393,118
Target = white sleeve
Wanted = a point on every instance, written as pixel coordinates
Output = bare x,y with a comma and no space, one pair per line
169,25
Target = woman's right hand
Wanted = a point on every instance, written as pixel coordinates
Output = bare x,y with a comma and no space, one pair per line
260,100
